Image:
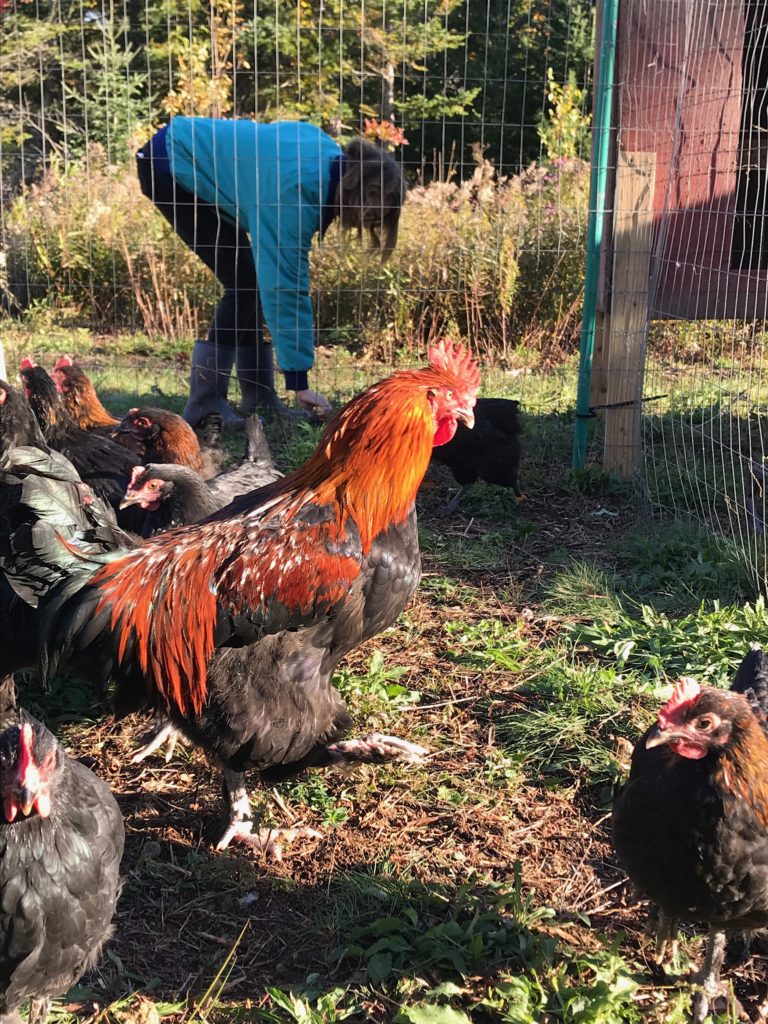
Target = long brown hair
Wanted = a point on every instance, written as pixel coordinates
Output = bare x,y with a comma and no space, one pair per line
370,194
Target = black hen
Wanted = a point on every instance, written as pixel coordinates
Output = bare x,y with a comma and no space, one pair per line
691,824
164,496
490,451
61,842
18,424
100,462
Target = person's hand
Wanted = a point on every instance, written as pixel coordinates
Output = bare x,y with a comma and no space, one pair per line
314,403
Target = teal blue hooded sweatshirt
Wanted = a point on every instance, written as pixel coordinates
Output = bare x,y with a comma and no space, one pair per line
272,180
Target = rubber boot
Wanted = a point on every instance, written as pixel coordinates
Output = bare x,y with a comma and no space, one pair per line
208,385
256,375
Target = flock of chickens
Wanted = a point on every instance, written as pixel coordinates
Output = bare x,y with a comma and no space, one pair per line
225,600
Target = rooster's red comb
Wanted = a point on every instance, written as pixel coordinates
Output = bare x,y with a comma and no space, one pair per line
27,363
64,361
686,691
451,357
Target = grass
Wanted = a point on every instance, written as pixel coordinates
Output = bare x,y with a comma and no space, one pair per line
480,887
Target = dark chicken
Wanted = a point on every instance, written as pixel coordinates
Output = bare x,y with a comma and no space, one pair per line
170,496
234,626
165,496
161,436
79,397
691,824
18,424
490,452
42,499
100,462
61,841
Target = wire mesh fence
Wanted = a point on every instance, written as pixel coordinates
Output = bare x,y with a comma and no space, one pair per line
686,291
484,105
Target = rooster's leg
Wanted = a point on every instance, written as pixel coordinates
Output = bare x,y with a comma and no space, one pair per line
38,1011
708,978
163,732
242,819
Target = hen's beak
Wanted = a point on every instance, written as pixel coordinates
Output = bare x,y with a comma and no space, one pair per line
658,737
466,415
131,498
25,798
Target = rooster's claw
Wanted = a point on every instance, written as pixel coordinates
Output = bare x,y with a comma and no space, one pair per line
265,840
164,732
376,749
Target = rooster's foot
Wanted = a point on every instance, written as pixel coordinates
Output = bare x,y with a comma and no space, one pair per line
241,822
268,841
161,733
375,749
707,980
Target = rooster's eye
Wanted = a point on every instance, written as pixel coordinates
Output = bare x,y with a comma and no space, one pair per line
449,395
704,724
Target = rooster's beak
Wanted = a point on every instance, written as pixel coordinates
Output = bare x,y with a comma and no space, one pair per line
467,416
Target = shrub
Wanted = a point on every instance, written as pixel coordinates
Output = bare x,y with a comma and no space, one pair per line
498,260
85,242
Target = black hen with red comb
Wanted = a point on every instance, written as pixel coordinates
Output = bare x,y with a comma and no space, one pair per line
691,824
61,842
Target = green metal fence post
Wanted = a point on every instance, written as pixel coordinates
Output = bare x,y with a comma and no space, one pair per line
597,183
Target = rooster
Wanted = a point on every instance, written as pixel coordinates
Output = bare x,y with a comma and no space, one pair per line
691,824
79,397
491,452
160,436
100,462
234,626
61,842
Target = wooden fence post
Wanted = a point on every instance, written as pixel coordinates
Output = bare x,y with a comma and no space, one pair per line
632,225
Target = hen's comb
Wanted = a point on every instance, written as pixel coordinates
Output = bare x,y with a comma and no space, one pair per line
137,472
64,361
27,363
26,752
686,691
3,396
453,358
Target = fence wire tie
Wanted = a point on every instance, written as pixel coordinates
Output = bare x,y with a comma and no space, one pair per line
617,405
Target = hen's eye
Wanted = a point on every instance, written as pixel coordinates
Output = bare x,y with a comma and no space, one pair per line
704,724
153,485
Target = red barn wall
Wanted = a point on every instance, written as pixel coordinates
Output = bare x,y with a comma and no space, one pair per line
679,74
